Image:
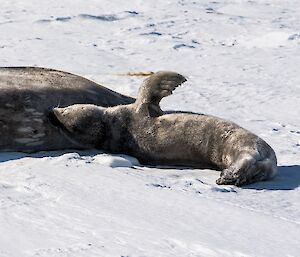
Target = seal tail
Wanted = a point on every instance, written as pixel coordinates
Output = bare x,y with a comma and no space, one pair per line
249,169
268,167
262,169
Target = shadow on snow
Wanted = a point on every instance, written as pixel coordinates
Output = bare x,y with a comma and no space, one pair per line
287,178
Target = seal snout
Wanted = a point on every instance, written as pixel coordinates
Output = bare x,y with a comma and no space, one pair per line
59,112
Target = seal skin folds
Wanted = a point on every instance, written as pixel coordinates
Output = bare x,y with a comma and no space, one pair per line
142,130
27,97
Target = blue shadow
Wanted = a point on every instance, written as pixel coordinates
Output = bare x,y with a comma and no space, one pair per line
287,178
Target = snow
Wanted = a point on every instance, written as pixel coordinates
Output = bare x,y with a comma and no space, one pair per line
242,62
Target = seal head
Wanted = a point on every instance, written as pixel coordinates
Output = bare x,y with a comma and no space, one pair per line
83,122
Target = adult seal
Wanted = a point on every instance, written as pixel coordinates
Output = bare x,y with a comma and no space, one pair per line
28,95
143,130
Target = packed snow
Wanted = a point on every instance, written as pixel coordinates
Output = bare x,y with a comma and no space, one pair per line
242,62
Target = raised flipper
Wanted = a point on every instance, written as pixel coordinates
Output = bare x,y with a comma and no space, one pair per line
154,88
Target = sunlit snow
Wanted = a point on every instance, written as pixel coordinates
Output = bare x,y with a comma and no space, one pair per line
242,61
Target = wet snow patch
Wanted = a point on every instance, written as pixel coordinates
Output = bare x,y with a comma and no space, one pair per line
108,17
177,46
92,17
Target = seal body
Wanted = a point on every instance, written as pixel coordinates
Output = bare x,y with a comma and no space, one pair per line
144,131
186,139
27,96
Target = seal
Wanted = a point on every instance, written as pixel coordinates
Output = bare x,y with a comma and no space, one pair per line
28,95
144,131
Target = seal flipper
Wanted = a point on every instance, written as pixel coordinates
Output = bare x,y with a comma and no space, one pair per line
153,89
248,169
240,172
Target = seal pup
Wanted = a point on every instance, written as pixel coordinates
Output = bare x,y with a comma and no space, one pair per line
144,131
28,94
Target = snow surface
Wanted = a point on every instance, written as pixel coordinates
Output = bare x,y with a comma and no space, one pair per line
242,60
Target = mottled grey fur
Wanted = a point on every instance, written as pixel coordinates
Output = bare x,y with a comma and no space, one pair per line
28,95
142,130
